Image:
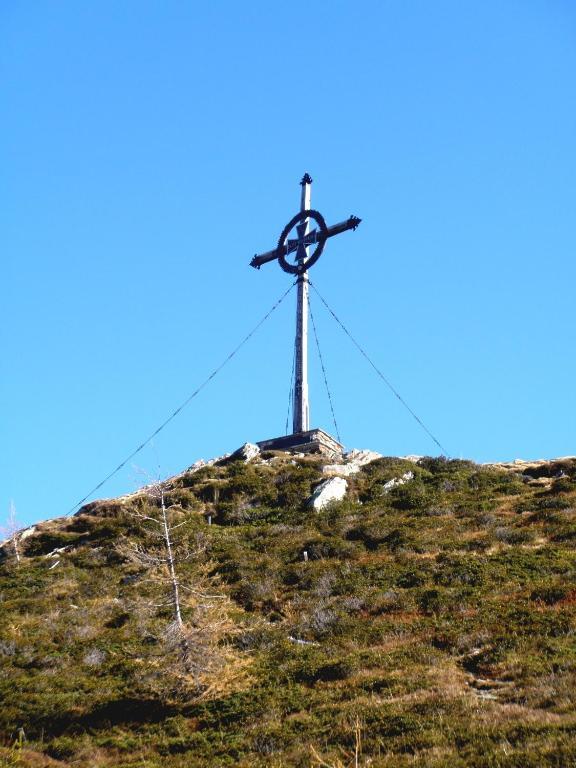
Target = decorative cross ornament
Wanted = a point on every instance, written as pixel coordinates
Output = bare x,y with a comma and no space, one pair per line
301,243
303,260
304,238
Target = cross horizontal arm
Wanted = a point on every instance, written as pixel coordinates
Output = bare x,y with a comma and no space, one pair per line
264,258
335,229
343,226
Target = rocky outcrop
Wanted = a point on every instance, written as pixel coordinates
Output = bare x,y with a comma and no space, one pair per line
329,490
405,478
353,462
246,452
536,467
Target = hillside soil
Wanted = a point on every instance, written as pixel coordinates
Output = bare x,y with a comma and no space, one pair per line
426,623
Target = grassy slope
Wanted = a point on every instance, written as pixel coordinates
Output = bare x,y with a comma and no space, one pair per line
431,626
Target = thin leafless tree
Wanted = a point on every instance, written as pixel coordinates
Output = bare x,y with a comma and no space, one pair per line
11,531
199,618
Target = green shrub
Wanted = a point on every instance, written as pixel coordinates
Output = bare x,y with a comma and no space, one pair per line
44,543
380,534
414,496
457,570
314,666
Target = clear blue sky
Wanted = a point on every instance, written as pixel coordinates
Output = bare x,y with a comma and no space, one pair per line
149,149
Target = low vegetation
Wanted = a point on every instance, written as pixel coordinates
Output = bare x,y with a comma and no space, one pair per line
431,624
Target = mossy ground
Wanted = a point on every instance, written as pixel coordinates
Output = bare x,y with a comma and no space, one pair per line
433,625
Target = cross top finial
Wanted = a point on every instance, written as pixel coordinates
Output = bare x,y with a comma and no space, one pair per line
306,179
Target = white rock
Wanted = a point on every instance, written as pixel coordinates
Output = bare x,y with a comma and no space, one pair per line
27,533
407,476
301,642
329,490
197,465
362,457
354,460
56,552
203,463
247,451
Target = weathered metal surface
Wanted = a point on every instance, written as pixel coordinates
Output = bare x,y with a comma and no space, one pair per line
300,403
300,245
312,237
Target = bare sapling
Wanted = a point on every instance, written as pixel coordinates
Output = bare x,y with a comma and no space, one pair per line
199,619
11,531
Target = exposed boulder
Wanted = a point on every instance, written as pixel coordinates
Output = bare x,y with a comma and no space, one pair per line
246,452
353,462
201,463
551,468
27,532
198,465
329,490
405,478
414,458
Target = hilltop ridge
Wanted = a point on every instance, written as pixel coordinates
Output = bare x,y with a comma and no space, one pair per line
424,615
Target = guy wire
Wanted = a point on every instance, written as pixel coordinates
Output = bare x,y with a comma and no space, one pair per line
324,371
185,403
379,372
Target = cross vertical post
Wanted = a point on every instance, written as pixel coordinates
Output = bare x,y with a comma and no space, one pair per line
300,401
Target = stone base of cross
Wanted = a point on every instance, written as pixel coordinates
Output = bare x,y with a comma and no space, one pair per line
312,441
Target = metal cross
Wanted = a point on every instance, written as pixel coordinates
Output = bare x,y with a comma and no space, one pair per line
301,245
303,261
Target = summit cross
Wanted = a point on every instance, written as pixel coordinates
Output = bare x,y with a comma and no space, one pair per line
303,260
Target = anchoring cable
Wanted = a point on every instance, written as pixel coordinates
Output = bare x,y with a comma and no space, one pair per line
185,403
379,372
324,372
290,393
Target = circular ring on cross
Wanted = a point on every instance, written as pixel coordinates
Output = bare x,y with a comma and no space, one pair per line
299,244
